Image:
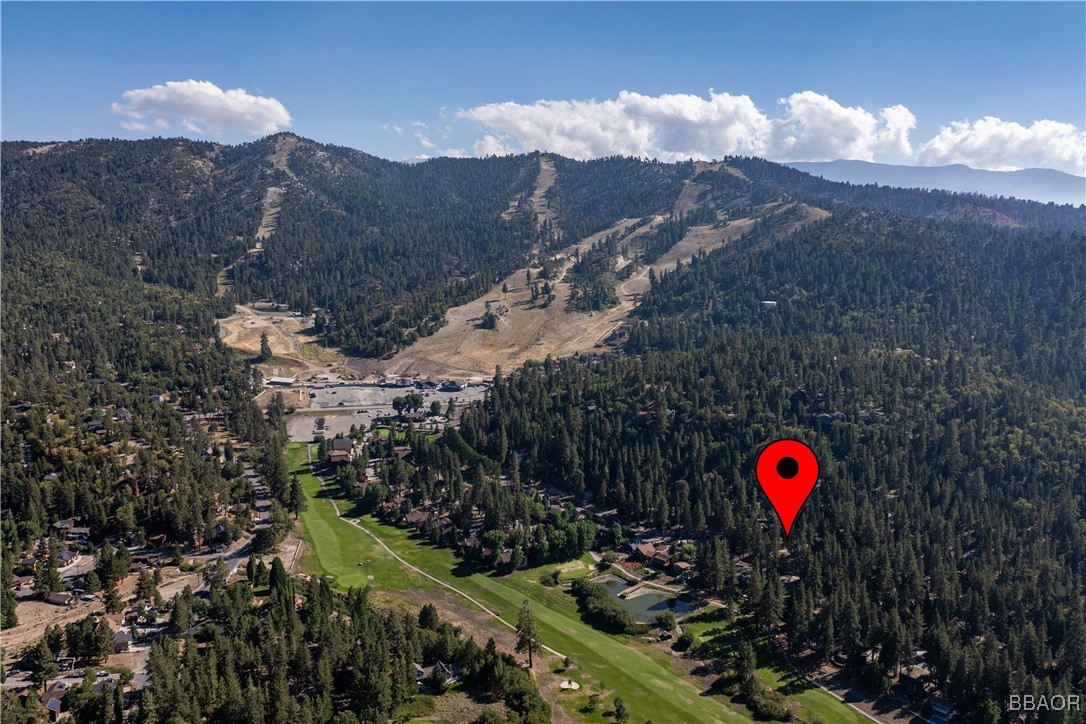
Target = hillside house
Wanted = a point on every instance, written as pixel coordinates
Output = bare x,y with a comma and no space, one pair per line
660,559
643,551
53,699
61,598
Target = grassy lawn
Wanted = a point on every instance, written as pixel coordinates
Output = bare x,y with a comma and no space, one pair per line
718,636
315,353
336,547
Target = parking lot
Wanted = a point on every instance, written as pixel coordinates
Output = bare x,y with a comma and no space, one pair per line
343,405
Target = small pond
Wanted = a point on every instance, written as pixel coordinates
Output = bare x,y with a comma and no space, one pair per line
644,606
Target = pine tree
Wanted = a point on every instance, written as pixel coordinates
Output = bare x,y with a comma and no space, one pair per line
45,664
527,633
46,577
265,348
113,599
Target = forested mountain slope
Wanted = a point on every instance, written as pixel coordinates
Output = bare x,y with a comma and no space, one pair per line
936,367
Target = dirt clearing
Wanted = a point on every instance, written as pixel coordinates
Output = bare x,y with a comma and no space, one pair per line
531,331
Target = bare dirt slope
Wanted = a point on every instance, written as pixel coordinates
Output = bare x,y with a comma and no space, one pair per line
35,616
273,199
538,199
530,331
463,350
295,348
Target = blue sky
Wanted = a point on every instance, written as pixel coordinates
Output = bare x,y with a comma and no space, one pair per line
994,85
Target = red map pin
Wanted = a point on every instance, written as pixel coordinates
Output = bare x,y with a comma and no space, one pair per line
787,470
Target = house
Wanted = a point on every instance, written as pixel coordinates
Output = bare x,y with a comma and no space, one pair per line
21,583
63,526
449,672
451,386
644,551
79,532
280,381
61,598
339,457
824,421
344,445
682,568
122,415
914,678
469,544
941,710
65,557
661,559
122,641
53,697
417,518
156,399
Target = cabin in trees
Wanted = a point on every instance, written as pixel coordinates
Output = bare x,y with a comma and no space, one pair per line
53,699
417,518
122,641
660,559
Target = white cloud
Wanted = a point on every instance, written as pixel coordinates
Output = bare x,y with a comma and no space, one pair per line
679,126
998,145
818,128
424,140
491,145
455,153
394,128
201,107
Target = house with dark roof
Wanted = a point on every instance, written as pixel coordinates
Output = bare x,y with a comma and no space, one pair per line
65,557
122,641
417,518
343,443
61,598
79,532
661,559
53,698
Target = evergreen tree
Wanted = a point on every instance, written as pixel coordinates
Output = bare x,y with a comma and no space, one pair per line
527,632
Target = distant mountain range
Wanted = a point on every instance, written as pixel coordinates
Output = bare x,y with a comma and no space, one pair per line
1037,184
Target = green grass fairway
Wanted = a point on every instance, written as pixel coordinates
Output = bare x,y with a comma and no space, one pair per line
336,547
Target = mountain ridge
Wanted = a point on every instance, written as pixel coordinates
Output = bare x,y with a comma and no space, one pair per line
1037,184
